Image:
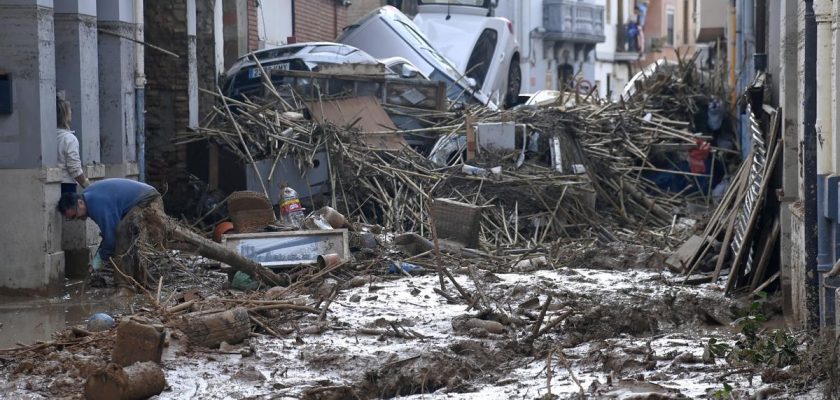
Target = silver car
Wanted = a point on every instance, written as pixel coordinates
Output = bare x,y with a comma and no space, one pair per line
387,32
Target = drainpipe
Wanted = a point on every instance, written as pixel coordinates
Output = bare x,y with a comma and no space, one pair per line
822,9
733,26
809,159
832,183
745,37
139,92
760,56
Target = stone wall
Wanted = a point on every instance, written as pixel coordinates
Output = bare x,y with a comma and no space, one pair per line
319,20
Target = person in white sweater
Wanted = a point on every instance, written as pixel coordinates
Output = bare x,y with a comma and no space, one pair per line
68,149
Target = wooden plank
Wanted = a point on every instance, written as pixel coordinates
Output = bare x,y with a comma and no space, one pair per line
760,198
767,282
472,141
766,251
718,222
363,113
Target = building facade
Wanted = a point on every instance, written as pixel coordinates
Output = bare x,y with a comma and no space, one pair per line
78,47
556,39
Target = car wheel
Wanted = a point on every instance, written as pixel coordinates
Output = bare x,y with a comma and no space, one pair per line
514,83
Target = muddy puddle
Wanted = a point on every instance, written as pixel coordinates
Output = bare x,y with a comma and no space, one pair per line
29,320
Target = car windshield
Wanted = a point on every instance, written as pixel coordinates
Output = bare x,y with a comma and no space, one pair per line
425,45
474,3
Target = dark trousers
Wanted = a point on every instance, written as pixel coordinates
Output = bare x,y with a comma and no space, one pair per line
143,225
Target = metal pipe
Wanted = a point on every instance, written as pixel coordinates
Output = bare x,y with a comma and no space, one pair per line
809,159
139,92
760,26
732,52
822,11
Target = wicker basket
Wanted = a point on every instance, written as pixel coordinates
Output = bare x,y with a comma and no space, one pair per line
250,211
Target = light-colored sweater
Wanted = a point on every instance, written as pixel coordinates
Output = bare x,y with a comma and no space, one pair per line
68,155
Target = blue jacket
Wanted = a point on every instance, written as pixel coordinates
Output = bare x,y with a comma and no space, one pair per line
108,201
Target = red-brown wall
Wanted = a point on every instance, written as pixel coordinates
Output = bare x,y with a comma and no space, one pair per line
319,20
253,33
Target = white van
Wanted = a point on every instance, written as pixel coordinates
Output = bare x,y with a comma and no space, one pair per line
481,47
387,32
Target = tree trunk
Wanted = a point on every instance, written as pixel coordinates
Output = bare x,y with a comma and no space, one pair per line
210,330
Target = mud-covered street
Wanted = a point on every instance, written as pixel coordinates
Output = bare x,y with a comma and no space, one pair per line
419,199
610,330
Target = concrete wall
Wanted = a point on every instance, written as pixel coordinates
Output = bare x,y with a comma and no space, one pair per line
27,136
711,16
78,74
274,22
116,88
788,96
32,259
44,49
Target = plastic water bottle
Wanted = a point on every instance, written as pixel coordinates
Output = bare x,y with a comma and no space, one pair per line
290,208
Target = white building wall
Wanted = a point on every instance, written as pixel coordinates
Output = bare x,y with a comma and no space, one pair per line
541,58
274,22
610,75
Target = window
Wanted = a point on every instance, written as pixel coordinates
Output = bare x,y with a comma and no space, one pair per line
670,27
482,56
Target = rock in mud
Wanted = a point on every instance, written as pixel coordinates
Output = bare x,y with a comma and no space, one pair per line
138,381
137,342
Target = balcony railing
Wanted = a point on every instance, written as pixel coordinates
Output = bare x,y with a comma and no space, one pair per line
573,21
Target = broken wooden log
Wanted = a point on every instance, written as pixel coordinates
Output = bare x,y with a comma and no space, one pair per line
137,342
215,251
211,329
135,382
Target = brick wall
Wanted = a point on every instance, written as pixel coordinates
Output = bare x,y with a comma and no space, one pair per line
319,20
167,107
360,8
167,100
253,32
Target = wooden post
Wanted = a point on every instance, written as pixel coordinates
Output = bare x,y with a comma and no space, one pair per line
472,141
210,330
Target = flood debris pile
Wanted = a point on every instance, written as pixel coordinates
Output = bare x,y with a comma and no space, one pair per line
738,240
579,168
